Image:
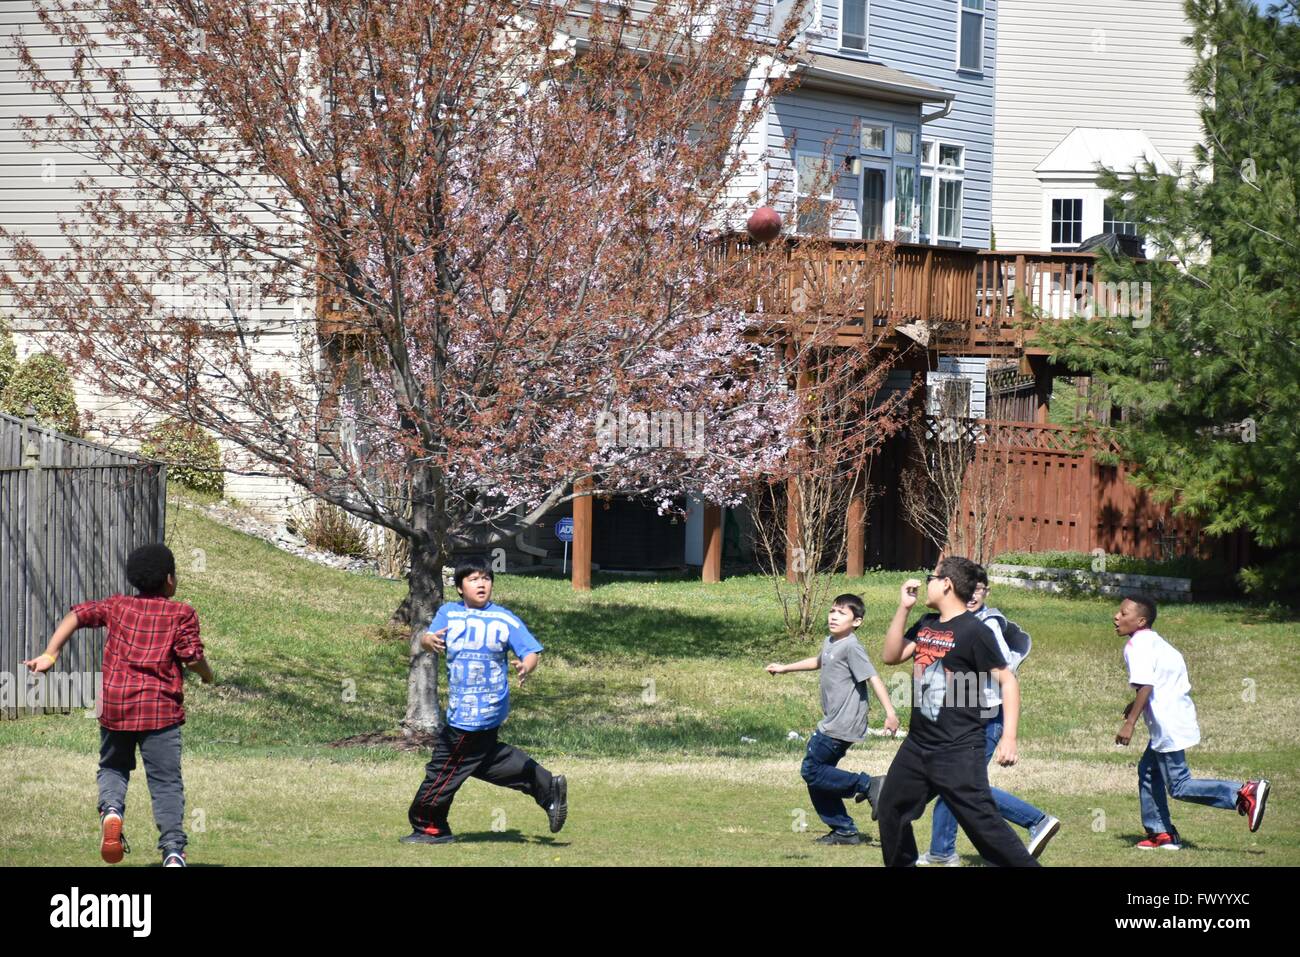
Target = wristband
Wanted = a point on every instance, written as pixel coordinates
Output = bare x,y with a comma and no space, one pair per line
46,654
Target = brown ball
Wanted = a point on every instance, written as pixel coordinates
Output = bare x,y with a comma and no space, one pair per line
764,224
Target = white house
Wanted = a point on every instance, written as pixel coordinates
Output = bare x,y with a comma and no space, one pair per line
1102,81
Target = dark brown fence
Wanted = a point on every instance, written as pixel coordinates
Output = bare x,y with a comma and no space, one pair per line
70,512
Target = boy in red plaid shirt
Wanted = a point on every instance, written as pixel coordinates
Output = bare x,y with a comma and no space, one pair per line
150,639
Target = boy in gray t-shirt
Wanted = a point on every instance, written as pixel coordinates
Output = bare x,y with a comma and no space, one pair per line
845,673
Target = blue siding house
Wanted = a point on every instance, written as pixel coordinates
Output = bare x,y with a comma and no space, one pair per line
889,134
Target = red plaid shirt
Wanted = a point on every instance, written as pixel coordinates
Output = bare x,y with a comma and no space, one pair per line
148,640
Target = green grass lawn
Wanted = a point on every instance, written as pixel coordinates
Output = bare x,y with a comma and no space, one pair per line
644,695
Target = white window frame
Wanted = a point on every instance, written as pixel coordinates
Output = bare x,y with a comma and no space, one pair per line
983,15
866,28
928,232
828,198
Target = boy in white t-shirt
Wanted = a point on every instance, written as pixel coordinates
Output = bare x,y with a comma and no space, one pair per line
1158,673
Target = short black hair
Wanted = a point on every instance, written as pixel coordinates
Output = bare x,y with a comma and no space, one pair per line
963,573
1148,606
982,576
469,565
853,603
147,568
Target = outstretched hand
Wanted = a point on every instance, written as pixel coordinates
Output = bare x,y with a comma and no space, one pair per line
434,641
39,664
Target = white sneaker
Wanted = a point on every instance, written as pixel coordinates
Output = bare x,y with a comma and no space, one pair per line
1041,833
927,859
174,859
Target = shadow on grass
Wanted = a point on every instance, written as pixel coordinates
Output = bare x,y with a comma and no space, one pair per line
512,836
584,634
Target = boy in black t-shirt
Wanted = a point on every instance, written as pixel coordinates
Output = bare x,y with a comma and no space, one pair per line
943,753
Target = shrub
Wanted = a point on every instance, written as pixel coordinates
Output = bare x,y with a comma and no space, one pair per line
191,452
8,355
42,381
330,528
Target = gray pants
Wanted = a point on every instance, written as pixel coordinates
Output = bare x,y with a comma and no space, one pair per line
161,751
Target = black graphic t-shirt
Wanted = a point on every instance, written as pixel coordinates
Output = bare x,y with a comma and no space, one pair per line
950,660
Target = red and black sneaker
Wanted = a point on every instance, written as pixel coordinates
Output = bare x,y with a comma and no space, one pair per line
428,835
1250,802
112,842
1163,841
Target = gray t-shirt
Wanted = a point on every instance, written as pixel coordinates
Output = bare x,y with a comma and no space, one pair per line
845,672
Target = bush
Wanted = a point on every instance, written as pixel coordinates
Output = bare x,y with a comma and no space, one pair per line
330,528
42,381
8,355
192,455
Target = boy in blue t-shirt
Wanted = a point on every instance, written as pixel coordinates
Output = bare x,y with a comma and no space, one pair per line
477,636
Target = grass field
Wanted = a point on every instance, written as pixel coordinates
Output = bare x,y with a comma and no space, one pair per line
645,693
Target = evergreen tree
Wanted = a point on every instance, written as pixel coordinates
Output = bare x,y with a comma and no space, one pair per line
1209,378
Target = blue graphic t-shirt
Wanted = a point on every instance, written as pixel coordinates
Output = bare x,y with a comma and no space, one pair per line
478,695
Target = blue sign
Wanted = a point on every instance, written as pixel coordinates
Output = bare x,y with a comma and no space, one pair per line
564,529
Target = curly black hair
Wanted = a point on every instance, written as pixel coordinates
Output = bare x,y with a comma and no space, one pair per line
148,566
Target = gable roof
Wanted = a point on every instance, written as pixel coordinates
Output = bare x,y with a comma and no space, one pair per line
1080,153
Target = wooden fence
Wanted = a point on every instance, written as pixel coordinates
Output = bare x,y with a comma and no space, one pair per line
1062,498
70,512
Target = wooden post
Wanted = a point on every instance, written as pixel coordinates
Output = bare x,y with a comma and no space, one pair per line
793,532
923,313
855,534
712,572
582,536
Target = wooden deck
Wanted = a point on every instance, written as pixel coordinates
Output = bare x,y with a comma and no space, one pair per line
970,299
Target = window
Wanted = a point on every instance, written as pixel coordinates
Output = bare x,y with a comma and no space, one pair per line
1067,223
814,194
970,36
904,203
853,25
1112,222
905,142
941,191
875,139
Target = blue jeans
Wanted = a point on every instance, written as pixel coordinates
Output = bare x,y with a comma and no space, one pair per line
943,826
1160,770
828,786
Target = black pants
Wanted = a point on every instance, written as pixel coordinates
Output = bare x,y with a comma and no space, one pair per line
958,776
459,755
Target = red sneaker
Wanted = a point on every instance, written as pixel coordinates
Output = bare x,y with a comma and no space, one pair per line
1166,842
112,845
1250,802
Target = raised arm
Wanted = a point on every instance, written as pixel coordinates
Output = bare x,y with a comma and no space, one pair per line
897,648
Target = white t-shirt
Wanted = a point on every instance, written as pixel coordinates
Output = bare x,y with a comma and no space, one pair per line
1170,714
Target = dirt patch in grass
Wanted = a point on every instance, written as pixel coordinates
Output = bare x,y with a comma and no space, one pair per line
387,739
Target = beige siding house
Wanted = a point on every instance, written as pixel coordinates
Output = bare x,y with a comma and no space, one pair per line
1080,80
36,190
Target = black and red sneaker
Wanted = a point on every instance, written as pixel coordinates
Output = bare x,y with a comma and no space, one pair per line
1250,802
429,835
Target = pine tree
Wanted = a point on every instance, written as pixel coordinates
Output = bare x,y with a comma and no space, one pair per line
1209,378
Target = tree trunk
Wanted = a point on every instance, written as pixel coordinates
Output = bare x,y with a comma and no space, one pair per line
423,710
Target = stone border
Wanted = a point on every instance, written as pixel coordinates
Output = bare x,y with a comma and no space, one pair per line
1076,580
